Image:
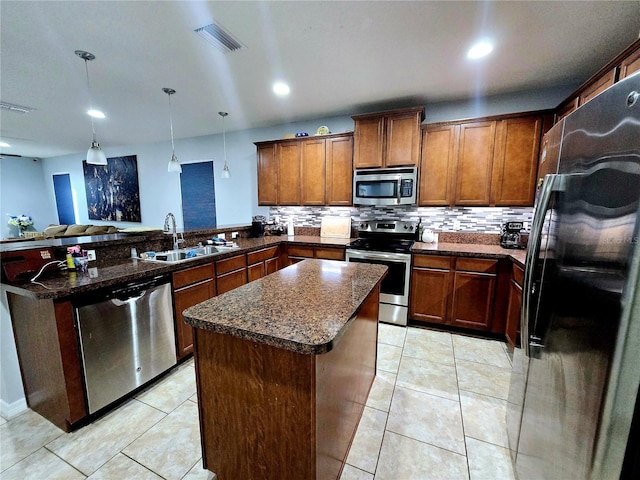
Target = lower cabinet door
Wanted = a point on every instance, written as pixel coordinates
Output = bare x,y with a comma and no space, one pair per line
184,298
430,294
513,314
473,300
255,271
271,265
231,280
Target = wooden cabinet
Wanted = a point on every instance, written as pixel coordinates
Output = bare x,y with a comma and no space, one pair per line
512,332
492,161
288,160
566,108
550,153
190,287
438,165
631,63
598,86
387,139
307,171
515,162
262,262
231,273
297,253
267,175
474,287
339,179
475,162
453,291
430,288
313,170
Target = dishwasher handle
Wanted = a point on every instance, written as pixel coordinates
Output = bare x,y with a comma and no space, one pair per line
122,293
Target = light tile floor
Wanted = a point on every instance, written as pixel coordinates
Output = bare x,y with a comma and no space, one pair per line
436,410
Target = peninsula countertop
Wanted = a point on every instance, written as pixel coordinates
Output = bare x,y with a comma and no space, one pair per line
303,308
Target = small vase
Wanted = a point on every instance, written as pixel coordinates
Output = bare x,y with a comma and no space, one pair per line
21,233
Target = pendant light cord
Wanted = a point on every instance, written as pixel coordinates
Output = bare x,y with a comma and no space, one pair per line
86,68
173,148
224,141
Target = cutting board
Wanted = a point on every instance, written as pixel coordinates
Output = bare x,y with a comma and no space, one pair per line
335,227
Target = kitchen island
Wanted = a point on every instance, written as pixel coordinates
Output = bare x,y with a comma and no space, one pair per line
283,370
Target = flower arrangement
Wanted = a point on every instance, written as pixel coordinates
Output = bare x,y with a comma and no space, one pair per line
21,221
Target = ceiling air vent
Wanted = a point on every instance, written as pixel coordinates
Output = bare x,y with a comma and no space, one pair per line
16,108
219,37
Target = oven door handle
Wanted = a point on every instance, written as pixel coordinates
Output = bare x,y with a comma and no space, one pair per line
401,257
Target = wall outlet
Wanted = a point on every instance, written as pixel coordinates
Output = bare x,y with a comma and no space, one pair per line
234,235
222,236
91,255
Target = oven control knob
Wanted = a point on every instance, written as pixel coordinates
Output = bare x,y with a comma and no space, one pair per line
363,225
410,227
405,227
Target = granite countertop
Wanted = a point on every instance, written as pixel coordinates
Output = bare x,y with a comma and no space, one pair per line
303,308
471,250
126,270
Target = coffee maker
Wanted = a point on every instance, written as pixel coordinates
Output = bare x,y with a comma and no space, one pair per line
511,236
257,226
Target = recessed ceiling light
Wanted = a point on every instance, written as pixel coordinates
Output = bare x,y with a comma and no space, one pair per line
281,89
95,113
479,50
4,144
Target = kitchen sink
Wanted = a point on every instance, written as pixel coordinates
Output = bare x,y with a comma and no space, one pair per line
185,254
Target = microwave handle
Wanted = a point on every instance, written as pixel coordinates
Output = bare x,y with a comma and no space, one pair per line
399,189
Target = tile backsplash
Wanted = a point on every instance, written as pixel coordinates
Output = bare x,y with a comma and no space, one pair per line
439,219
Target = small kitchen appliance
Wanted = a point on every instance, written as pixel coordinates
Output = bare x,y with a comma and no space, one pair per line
511,236
387,242
257,226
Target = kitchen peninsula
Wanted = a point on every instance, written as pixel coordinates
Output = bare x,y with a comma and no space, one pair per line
284,365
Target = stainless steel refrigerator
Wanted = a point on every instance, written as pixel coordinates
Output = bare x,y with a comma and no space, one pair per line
573,401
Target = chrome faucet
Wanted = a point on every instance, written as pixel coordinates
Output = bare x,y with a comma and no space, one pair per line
176,241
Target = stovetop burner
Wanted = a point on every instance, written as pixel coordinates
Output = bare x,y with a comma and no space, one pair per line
385,236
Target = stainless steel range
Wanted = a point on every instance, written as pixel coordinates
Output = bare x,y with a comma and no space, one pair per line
387,242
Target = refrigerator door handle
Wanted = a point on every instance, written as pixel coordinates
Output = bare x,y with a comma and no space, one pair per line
531,260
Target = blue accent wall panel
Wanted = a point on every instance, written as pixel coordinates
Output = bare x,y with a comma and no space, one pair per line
198,195
64,199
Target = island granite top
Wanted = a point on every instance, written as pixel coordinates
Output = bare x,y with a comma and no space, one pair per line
303,308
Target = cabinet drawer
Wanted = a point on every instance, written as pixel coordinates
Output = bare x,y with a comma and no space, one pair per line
432,261
330,253
261,255
518,275
193,275
230,264
483,265
300,251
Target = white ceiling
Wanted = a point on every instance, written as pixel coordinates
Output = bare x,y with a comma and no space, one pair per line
339,58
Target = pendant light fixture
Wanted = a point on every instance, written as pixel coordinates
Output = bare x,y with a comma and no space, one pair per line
174,164
95,155
225,170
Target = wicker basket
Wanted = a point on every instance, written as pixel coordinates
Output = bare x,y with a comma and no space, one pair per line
33,234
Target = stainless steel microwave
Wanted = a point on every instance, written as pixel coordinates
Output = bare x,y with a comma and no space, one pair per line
385,186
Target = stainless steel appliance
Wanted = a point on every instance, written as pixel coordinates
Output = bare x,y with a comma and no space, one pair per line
257,226
511,236
385,186
126,338
572,410
387,242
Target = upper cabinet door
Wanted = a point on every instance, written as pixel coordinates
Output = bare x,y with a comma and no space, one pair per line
339,156
288,156
313,172
598,86
475,162
516,161
369,142
402,139
267,175
438,165
630,64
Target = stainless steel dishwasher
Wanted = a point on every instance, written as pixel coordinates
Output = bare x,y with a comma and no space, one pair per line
126,338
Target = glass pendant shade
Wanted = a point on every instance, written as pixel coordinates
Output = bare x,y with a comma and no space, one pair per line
95,155
174,165
225,171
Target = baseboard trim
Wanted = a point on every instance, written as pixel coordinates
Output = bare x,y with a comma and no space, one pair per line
10,410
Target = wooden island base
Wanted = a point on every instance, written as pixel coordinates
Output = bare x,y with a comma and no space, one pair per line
270,413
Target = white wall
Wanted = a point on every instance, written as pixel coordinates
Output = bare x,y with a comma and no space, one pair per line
27,187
